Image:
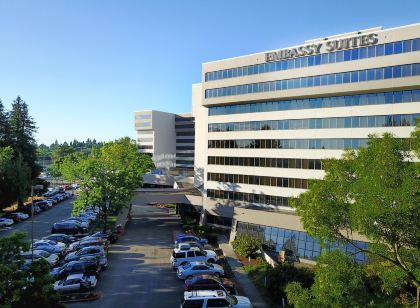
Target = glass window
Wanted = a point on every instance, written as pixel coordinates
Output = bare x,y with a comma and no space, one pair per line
362,75
406,70
389,49
388,72
363,53
396,71
346,77
339,56
397,47
347,55
371,51
354,76
416,44
331,57
407,46
355,54
379,50
379,73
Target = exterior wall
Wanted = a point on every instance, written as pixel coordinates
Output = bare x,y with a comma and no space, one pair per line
201,123
184,130
283,216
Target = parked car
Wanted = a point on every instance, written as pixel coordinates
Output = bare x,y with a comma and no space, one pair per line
209,282
188,245
49,248
87,242
56,244
75,283
69,228
104,236
199,268
204,299
96,251
62,238
20,215
90,268
53,200
183,238
6,222
51,258
180,257
83,223
101,260
43,205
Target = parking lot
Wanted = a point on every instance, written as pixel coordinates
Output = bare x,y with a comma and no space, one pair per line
43,221
140,274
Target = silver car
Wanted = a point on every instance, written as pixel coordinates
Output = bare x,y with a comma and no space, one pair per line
199,268
75,283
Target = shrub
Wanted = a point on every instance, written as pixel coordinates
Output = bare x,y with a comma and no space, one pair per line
246,245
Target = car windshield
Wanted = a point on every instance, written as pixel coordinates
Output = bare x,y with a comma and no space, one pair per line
231,299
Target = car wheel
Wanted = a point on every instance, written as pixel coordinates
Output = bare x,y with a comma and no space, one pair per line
216,275
210,260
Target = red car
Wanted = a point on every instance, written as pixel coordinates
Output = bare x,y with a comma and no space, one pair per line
209,282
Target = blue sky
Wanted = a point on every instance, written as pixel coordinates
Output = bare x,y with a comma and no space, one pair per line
85,66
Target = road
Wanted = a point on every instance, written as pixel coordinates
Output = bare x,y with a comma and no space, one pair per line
43,221
140,274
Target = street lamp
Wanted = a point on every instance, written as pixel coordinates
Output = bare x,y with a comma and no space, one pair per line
35,187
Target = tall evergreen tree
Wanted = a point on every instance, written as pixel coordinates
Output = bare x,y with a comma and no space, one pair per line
22,130
4,127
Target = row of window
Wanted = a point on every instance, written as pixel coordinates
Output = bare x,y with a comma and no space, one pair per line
190,133
347,122
144,139
184,162
320,102
297,243
258,180
294,163
326,58
184,147
183,119
248,197
145,147
143,116
184,154
320,80
184,126
185,141
331,143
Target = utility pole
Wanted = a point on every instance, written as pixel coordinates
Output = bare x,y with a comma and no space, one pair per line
35,187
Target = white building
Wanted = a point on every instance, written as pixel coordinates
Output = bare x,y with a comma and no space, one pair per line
265,121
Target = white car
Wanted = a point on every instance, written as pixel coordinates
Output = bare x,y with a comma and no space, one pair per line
22,216
75,283
219,298
58,245
51,258
180,256
6,222
189,270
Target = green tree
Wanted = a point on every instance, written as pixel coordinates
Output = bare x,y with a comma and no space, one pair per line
4,127
24,288
107,175
246,245
15,177
22,130
373,192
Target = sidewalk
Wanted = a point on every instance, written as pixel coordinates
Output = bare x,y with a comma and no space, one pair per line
241,278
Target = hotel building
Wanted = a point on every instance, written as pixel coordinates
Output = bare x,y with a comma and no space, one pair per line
265,121
169,139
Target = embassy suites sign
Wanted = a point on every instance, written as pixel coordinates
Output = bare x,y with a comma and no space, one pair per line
333,45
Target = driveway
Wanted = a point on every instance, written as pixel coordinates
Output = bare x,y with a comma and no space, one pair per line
139,274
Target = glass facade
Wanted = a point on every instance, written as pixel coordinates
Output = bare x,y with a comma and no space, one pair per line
331,143
320,80
320,102
297,163
321,59
184,147
248,197
258,180
299,242
344,122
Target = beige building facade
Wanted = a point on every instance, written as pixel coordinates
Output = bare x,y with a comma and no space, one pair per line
265,121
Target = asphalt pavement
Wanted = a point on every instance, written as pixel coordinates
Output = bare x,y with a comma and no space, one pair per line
139,273
42,222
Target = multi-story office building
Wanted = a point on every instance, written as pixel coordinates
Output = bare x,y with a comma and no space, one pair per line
265,121
185,132
168,138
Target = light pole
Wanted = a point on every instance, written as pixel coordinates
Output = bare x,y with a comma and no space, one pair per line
35,187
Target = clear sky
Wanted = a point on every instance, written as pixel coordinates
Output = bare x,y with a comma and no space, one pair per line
84,66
